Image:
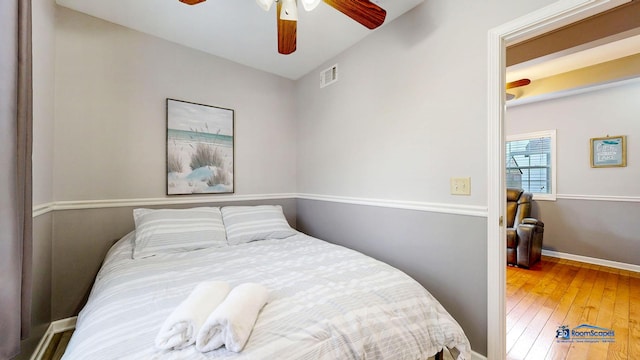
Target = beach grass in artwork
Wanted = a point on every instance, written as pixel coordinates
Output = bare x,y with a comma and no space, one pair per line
199,148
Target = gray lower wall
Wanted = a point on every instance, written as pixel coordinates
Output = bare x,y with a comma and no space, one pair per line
446,253
81,239
607,230
41,287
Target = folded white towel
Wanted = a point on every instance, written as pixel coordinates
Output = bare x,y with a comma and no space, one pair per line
231,323
180,329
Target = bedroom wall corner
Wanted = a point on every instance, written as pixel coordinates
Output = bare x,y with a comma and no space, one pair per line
111,87
41,301
110,115
443,252
407,114
82,237
43,33
43,47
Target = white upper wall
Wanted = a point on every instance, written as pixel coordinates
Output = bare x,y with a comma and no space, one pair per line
43,35
110,119
578,118
409,109
408,113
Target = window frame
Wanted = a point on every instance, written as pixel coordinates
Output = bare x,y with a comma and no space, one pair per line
554,169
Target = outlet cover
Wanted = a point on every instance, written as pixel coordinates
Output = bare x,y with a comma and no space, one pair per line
461,186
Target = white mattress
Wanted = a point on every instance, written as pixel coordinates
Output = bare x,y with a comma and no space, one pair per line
325,302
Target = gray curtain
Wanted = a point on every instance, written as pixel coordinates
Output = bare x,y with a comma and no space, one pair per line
15,175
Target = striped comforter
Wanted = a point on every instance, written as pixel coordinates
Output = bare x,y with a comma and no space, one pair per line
325,302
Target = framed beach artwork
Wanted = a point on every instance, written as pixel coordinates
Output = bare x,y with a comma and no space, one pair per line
199,149
609,151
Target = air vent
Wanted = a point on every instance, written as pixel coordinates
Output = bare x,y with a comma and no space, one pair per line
329,76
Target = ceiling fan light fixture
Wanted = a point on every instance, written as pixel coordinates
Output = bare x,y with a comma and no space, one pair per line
310,4
289,10
265,4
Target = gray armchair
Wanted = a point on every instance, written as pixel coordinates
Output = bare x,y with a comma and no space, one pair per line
524,234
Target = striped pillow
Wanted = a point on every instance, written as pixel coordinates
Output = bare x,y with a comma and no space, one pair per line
176,230
250,223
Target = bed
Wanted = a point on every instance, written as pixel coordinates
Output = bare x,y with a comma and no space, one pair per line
325,301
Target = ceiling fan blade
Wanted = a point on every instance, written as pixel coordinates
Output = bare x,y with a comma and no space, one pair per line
518,83
286,33
192,2
363,11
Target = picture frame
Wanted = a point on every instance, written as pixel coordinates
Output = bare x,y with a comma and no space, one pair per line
199,148
608,151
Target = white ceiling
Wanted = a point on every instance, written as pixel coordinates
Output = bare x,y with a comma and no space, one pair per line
239,30
575,58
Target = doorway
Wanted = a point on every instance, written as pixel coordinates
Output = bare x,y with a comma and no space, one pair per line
539,22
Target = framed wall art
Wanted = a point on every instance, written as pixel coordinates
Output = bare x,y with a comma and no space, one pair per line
609,151
200,149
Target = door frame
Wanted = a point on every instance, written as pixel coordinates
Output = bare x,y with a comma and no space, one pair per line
554,16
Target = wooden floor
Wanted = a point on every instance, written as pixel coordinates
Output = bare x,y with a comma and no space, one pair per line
558,292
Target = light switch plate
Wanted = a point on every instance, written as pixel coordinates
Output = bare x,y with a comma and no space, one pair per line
461,186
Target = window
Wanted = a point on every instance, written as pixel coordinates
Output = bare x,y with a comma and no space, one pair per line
531,163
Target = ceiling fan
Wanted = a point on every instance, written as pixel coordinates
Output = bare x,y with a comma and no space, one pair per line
364,12
515,84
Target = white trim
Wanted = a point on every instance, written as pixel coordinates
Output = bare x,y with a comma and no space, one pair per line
100,204
496,198
64,324
571,92
476,356
43,344
599,197
554,16
43,209
54,328
470,210
532,135
594,261
545,197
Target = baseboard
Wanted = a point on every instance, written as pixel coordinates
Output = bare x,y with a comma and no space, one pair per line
590,260
474,355
54,328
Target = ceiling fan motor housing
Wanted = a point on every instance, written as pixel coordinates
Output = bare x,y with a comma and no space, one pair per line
365,12
192,2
